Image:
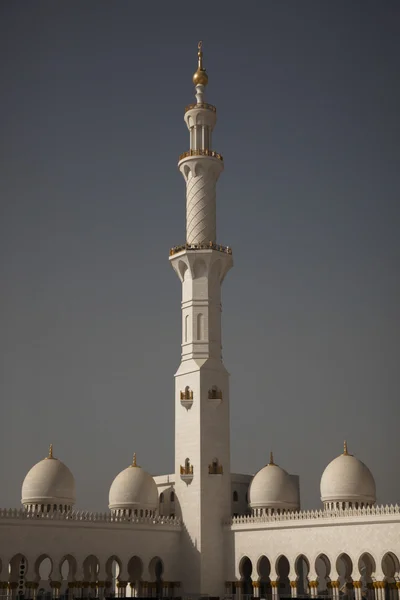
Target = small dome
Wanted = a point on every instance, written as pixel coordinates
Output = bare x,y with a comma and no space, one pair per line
133,489
347,479
49,482
273,487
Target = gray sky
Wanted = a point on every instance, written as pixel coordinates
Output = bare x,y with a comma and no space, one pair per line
92,104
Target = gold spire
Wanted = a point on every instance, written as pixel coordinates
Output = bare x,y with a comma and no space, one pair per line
50,455
200,77
134,464
345,452
271,458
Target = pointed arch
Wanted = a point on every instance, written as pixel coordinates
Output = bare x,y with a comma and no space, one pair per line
322,568
245,571
282,567
43,568
91,567
302,569
200,326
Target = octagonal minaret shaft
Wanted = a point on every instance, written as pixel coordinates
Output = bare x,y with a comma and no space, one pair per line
200,166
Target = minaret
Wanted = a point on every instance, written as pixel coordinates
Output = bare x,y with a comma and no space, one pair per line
202,448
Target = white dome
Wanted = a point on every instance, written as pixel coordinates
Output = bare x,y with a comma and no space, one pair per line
49,482
347,479
273,487
133,489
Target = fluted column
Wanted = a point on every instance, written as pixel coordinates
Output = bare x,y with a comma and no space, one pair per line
334,585
313,587
275,590
293,589
239,590
357,590
55,589
256,589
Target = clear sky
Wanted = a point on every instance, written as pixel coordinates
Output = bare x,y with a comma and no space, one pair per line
92,103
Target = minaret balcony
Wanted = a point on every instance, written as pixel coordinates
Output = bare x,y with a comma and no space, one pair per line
187,398
187,472
205,152
201,105
207,246
215,396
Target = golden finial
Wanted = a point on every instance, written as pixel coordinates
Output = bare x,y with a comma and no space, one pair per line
345,452
134,464
271,458
50,452
200,77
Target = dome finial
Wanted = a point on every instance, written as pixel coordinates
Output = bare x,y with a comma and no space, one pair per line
134,464
271,458
50,455
345,452
200,77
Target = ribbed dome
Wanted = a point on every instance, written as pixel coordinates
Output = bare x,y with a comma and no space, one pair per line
49,482
133,489
272,487
347,479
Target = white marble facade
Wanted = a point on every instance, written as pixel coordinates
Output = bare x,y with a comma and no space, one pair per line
202,529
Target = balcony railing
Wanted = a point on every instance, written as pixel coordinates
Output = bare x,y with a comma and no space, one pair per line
187,395
211,153
187,470
201,105
205,246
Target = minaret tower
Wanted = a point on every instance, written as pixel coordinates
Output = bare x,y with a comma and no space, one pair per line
202,448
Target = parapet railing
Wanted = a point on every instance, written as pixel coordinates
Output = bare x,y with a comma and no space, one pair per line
318,514
201,105
82,515
211,153
205,246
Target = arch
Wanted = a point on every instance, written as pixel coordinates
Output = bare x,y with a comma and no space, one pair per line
282,567
200,326
161,498
43,568
91,567
235,496
391,566
366,567
135,570
245,571
113,569
67,569
264,571
199,268
156,570
302,569
344,567
322,567
14,567
187,324
182,268
172,496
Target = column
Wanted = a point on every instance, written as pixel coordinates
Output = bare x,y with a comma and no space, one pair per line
398,589
238,590
275,590
121,586
55,589
12,588
145,589
100,589
335,589
256,589
313,587
293,589
357,590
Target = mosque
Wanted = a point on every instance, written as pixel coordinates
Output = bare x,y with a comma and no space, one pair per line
202,530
